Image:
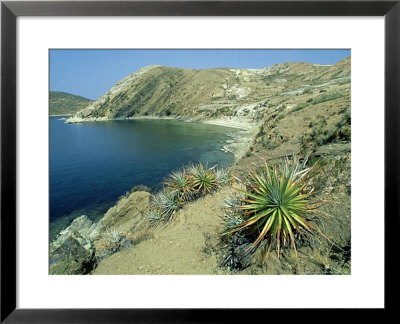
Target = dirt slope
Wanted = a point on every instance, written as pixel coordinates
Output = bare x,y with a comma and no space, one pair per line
185,246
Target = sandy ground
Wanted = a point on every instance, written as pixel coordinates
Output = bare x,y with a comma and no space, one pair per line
184,246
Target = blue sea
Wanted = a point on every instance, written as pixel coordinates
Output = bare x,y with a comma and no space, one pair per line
92,164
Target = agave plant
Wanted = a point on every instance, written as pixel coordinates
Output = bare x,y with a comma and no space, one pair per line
278,204
155,216
203,178
114,235
182,183
232,215
223,176
166,203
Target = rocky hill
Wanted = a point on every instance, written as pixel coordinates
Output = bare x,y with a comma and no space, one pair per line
217,93
62,103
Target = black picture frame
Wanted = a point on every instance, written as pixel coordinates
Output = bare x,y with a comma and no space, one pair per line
10,10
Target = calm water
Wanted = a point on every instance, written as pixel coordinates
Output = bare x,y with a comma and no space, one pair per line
92,164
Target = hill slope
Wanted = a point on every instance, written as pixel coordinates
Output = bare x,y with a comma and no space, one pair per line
215,93
62,103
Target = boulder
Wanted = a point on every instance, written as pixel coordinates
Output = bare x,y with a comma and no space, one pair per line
73,250
81,225
72,255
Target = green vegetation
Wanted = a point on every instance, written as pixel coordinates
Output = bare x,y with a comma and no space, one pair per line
326,98
185,185
300,106
62,103
277,205
203,180
320,135
166,203
181,182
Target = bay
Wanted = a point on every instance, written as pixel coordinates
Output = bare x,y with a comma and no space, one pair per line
92,164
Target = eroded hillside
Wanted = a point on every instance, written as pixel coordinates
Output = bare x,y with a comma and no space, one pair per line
217,93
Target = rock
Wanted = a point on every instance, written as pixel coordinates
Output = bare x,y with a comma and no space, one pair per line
73,251
72,255
79,247
129,214
81,225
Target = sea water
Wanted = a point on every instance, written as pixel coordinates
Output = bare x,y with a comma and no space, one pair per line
92,164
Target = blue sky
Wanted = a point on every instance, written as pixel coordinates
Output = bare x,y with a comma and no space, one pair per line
90,73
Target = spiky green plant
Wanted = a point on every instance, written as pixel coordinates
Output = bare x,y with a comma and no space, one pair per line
232,216
203,178
182,183
166,203
155,217
278,204
223,176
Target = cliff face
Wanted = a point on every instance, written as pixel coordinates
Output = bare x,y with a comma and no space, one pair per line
62,103
215,93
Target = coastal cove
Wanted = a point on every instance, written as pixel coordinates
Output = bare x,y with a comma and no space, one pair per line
204,171
92,164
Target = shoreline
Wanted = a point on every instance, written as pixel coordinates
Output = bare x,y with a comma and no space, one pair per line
239,123
240,137
238,145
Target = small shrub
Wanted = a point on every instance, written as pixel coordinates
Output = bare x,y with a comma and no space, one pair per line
346,119
305,139
155,217
232,216
326,98
204,179
182,183
166,203
267,143
183,186
300,106
223,176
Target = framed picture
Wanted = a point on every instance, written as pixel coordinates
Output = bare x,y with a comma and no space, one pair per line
35,35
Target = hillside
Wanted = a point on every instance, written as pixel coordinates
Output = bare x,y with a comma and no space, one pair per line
217,93
62,103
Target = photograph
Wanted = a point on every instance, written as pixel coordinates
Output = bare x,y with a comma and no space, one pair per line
199,161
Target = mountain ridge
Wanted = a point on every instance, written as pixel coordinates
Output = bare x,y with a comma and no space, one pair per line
206,94
64,103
